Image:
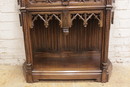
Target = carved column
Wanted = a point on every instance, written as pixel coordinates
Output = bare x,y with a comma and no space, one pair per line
106,43
28,46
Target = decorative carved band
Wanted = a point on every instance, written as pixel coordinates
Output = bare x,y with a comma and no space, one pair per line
50,1
66,20
36,1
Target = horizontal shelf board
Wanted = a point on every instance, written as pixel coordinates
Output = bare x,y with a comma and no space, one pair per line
91,71
83,64
66,73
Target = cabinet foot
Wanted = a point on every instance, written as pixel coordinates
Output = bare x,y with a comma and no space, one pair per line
27,73
106,73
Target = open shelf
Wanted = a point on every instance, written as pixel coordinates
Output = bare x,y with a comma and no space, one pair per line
89,63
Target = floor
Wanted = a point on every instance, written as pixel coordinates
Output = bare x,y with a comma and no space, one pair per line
12,76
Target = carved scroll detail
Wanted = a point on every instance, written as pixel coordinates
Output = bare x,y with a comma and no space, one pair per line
46,18
86,16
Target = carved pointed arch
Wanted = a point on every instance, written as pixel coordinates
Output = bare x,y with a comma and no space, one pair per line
46,18
66,19
85,17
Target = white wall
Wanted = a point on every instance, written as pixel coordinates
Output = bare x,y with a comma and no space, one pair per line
11,35
119,50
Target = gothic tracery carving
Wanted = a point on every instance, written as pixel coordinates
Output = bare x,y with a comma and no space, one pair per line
85,17
46,18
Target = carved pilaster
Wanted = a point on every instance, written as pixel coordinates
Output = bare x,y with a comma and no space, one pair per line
106,43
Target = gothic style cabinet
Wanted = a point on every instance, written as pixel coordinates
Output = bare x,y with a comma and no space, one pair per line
66,39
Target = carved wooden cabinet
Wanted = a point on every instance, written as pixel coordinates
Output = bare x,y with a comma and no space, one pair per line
66,39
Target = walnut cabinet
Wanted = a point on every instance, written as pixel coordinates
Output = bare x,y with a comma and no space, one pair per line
66,39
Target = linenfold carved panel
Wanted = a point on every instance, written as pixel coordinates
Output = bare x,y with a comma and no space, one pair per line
84,16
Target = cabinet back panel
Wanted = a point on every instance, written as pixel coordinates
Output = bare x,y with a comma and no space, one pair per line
53,39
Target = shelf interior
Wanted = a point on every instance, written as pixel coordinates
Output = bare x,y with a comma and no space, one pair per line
88,62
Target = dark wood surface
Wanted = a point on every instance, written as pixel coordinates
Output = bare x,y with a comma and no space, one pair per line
63,63
66,39
79,39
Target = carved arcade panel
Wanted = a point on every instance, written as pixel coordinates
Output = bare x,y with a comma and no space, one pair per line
46,18
86,16
66,18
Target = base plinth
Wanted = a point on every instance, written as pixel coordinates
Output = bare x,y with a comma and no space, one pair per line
38,75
